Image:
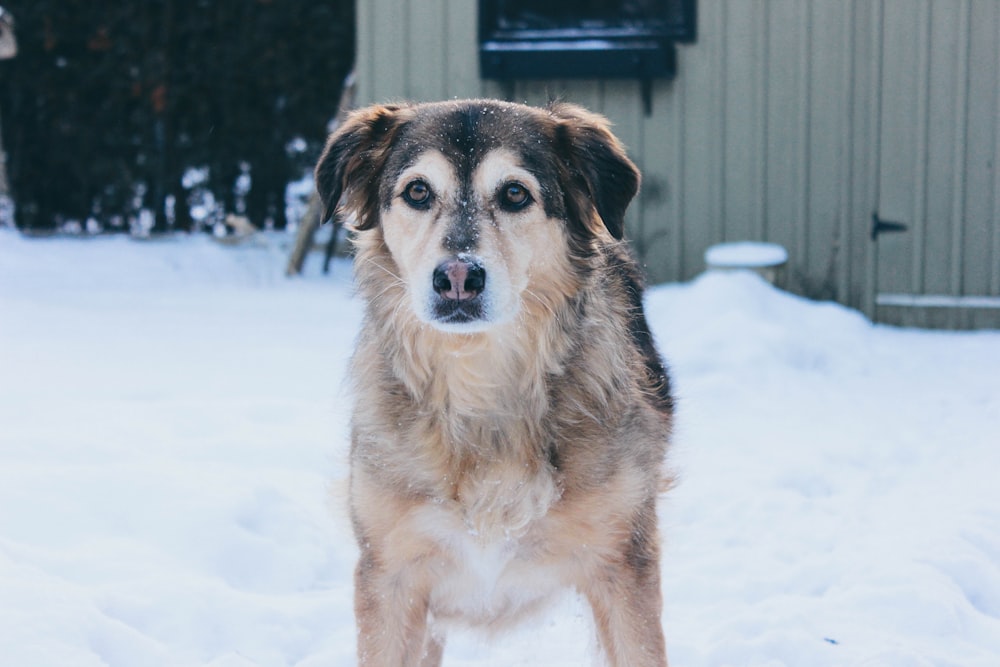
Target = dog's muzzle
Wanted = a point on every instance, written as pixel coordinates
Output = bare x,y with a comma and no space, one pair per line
459,285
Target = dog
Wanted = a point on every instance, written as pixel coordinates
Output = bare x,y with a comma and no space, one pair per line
511,412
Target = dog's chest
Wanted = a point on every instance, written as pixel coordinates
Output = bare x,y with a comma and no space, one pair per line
483,578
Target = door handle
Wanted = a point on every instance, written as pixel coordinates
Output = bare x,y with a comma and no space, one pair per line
884,226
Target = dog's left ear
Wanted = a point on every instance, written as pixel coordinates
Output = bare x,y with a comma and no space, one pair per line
347,171
597,162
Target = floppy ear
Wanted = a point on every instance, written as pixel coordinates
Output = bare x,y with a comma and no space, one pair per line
350,165
597,162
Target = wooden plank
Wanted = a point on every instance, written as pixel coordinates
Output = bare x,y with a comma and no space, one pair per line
945,312
960,142
873,154
389,45
759,222
622,104
844,234
786,108
426,64
743,119
980,258
564,89
676,191
494,89
461,53
901,140
364,65
703,138
661,197
982,319
939,301
801,249
828,170
535,93
921,131
585,92
941,91
518,92
995,259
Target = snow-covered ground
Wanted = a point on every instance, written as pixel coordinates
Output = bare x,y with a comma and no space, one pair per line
172,465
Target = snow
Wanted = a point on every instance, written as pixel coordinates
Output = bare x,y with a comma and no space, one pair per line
745,254
172,468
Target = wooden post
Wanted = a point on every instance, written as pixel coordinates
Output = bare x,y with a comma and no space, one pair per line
8,49
311,221
8,44
304,236
4,183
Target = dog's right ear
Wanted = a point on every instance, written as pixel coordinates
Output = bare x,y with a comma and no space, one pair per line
347,173
597,162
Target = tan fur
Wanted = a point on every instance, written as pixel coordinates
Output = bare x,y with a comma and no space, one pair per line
494,464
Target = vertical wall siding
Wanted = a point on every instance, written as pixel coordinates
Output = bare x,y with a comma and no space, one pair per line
959,143
981,241
870,109
790,121
995,163
940,117
979,268
786,113
900,145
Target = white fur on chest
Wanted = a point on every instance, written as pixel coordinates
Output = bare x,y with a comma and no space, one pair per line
483,580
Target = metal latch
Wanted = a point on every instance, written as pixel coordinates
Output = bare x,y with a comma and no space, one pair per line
883,226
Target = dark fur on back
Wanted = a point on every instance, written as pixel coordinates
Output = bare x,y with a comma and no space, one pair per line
535,437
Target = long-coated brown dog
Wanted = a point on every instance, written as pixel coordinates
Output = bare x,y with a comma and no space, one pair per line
512,413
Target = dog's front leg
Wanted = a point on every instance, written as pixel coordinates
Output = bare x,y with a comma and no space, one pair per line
392,614
627,616
624,593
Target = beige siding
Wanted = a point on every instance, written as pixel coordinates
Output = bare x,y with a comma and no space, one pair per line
938,157
790,121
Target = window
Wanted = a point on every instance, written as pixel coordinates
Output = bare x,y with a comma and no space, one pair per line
527,39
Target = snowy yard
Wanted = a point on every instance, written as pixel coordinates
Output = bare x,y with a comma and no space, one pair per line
172,466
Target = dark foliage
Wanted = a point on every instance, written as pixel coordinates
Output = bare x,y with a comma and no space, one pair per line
108,104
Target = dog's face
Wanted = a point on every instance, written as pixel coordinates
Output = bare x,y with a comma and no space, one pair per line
479,204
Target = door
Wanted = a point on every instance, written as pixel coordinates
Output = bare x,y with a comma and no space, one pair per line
936,228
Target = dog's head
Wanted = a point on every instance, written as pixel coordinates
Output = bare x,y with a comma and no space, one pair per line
479,203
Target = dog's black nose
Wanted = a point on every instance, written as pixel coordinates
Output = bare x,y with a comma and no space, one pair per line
459,279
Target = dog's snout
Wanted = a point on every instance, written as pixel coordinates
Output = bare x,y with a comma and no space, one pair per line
459,279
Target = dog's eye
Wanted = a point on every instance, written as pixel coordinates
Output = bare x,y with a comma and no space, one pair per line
417,194
514,196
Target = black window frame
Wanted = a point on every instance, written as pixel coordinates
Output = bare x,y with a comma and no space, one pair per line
643,51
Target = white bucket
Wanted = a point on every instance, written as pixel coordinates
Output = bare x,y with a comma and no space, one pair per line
766,259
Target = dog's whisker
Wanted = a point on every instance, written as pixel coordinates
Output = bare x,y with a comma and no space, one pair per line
383,268
396,284
372,261
542,302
